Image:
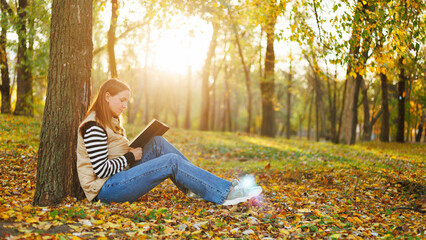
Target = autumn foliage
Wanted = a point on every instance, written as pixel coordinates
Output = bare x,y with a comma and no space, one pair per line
311,190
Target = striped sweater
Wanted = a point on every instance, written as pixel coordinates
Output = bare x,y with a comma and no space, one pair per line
95,141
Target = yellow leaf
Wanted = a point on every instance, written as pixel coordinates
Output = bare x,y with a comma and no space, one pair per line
131,234
168,230
76,228
304,210
283,231
357,219
27,208
4,216
335,236
113,225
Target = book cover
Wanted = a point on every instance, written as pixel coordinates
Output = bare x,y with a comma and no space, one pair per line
154,128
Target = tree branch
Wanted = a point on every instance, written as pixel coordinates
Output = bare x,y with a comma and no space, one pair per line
122,35
7,7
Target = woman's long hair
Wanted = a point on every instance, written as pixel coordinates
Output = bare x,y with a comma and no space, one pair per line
100,106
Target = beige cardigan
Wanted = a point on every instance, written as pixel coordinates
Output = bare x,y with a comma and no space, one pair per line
118,145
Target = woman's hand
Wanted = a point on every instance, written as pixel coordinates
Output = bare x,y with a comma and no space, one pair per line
137,152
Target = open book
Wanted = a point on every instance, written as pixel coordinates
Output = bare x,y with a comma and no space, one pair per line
154,128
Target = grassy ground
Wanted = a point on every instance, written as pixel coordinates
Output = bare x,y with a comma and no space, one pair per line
311,190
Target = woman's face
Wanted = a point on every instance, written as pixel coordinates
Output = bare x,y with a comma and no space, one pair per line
118,102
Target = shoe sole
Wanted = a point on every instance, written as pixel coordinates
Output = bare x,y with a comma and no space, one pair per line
253,193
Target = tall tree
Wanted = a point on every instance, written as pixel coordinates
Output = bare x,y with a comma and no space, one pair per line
24,102
355,70
5,79
68,94
205,85
400,125
267,83
245,67
111,39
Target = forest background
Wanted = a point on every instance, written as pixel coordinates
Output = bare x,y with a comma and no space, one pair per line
342,72
315,69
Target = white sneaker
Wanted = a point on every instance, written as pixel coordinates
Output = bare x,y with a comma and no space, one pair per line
241,194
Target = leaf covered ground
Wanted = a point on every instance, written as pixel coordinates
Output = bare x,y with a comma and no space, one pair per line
311,190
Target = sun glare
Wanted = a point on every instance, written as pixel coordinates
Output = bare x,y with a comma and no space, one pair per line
183,42
181,45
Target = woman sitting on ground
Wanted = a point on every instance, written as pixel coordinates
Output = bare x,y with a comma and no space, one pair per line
104,159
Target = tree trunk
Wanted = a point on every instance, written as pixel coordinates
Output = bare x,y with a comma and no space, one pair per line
310,117
146,117
420,130
367,129
111,39
24,102
205,87
212,107
332,103
288,123
246,71
267,83
353,81
401,102
5,79
188,99
68,95
384,133
227,99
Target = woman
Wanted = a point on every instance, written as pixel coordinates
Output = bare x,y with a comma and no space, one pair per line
104,159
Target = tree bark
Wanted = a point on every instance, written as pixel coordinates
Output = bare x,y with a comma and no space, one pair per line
24,94
401,102
353,81
310,117
288,117
188,99
384,132
146,118
5,79
367,129
332,104
227,100
267,83
111,39
246,71
205,87
67,99
420,129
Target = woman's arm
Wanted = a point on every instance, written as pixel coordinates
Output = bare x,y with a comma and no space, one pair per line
95,140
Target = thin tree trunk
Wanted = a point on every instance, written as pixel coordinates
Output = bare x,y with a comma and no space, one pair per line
317,102
288,117
227,100
205,87
5,79
246,71
367,130
146,117
420,129
401,102
24,102
213,107
310,117
68,95
111,39
267,83
384,133
188,99
407,109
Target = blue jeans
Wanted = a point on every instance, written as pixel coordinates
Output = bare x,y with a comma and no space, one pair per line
161,160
